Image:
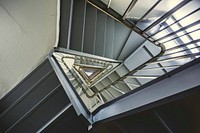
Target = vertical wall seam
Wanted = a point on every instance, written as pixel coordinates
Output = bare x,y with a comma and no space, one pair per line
105,37
95,33
70,24
83,29
113,42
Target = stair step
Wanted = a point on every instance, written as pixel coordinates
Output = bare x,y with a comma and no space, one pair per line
67,121
123,87
114,92
121,35
28,100
109,42
99,86
46,111
90,29
51,121
106,81
132,83
133,42
121,71
100,33
107,95
65,22
114,76
78,24
33,78
141,55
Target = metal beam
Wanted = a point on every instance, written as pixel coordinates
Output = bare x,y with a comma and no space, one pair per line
157,92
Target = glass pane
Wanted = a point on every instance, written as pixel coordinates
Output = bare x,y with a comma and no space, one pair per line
160,11
195,35
191,6
140,8
163,7
120,6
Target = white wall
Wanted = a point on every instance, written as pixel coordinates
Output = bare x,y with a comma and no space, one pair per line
27,34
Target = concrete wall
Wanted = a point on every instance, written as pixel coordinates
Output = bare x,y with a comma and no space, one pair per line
27,34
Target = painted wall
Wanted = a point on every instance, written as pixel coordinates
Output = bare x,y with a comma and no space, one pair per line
27,34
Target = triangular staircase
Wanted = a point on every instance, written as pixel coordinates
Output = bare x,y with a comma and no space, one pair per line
88,73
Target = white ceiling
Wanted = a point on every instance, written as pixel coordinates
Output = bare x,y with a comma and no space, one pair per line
27,34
